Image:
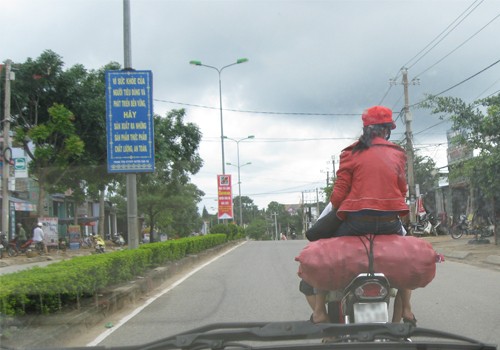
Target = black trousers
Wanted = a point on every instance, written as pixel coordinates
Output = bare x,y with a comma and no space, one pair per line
324,227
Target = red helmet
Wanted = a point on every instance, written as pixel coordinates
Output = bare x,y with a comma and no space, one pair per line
378,115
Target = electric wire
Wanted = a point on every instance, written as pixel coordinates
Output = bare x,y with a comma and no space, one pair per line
459,46
451,30
433,40
489,87
454,86
258,112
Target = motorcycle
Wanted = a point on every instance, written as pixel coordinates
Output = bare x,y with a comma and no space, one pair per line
118,240
361,292
427,225
9,247
464,226
99,244
23,248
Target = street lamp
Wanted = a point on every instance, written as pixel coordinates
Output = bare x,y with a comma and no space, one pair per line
239,166
219,70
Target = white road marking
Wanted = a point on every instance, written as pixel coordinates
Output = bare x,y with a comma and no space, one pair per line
125,319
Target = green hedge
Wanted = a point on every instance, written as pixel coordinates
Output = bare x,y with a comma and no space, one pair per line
48,289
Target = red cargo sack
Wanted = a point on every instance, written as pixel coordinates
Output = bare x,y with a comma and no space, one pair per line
330,264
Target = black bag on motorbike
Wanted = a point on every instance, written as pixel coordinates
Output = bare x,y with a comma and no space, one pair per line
324,227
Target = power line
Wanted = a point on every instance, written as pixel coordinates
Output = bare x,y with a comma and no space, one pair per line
454,86
452,29
431,42
459,46
272,140
259,112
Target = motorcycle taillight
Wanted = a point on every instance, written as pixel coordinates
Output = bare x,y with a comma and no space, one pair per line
371,290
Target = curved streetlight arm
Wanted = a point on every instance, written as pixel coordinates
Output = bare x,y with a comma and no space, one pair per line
238,61
219,70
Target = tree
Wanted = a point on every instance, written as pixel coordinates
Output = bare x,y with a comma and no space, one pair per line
426,175
42,82
257,229
168,188
286,221
248,207
56,147
478,127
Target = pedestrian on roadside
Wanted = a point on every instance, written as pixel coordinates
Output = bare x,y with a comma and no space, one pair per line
21,235
39,237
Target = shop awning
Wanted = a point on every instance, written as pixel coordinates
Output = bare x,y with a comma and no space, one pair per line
21,204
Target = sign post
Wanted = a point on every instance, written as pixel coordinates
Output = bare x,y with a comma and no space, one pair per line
129,121
225,197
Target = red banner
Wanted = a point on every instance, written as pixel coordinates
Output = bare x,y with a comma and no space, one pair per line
224,190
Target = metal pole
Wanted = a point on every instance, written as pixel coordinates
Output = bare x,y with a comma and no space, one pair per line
276,225
132,223
409,147
239,181
221,124
6,144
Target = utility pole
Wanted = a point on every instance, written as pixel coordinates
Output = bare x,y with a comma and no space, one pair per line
276,225
409,144
132,217
317,201
6,151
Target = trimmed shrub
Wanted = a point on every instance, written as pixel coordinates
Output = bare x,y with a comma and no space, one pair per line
48,289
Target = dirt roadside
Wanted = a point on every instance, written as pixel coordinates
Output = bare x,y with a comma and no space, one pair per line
467,250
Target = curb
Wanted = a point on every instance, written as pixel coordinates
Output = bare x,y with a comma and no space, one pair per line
493,259
51,331
457,254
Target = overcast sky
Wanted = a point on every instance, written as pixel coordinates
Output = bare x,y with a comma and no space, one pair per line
313,67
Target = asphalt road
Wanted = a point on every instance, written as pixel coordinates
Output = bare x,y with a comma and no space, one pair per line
258,281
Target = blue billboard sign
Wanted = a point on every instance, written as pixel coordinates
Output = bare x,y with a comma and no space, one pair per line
129,121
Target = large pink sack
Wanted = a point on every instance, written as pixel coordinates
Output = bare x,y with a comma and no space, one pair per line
330,264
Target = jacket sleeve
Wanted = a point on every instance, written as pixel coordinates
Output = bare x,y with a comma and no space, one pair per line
402,184
344,179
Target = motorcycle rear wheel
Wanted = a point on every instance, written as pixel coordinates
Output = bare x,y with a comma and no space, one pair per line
456,232
11,251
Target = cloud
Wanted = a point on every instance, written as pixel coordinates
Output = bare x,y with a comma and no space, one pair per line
316,57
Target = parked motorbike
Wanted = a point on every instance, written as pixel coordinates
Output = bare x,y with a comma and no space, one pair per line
9,247
99,244
428,225
118,239
464,226
24,247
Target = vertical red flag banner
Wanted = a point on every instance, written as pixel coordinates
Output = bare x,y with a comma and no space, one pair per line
420,207
225,195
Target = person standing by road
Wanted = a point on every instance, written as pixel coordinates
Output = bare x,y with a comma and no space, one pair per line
21,234
39,236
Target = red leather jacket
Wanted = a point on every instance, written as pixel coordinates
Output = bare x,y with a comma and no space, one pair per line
373,179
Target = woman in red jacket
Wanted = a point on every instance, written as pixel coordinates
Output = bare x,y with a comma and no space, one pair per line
369,193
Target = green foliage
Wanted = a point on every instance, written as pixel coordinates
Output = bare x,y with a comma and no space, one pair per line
257,229
249,209
49,289
166,197
231,230
478,128
426,175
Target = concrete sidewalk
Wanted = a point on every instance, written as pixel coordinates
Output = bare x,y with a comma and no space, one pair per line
467,250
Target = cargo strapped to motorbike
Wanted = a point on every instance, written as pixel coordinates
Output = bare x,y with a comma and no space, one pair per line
330,264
